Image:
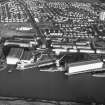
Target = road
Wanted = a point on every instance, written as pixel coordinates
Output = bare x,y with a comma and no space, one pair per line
33,22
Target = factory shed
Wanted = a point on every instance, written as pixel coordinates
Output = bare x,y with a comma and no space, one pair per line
14,55
26,56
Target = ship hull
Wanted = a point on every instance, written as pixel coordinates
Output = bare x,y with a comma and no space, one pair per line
52,86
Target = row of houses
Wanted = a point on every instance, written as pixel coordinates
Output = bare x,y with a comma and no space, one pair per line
12,11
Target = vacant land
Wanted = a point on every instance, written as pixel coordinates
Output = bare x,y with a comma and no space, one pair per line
8,29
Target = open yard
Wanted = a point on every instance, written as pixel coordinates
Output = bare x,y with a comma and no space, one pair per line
8,29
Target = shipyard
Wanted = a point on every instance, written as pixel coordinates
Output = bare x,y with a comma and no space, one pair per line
53,50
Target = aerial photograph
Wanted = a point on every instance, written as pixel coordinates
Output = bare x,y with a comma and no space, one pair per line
52,52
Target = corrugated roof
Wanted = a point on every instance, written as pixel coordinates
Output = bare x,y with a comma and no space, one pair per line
27,55
15,52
